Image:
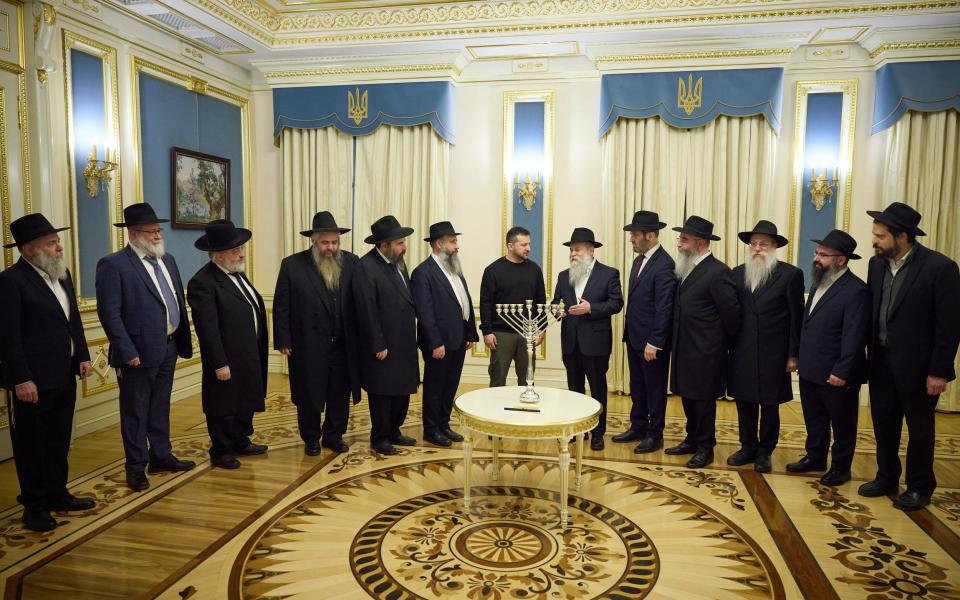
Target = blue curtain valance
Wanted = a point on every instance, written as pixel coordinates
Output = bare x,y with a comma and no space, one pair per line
361,109
691,98
924,86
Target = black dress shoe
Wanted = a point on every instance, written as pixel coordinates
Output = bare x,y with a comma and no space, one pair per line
909,501
402,440
225,461
171,463
384,448
875,489
251,450
630,435
835,478
311,448
742,457
452,435
596,442
437,440
701,459
38,519
681,448
72,503
336,444
762,463
648,444
137,481
806,464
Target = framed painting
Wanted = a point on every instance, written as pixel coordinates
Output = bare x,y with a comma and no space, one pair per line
200,188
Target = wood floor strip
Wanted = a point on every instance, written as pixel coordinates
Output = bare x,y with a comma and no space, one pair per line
938,532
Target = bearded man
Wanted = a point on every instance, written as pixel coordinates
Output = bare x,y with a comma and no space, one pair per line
141,307
445,330
42,351
591,293
767,345
315,327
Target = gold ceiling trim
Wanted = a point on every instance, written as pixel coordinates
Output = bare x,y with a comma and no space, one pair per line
709,54
448,67
193,43
921,45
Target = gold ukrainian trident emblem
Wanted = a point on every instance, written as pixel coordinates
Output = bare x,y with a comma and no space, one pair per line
357,105
689,95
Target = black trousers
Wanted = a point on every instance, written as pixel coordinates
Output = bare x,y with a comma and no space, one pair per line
440,381
40,433
824,408
387,413
145,410
648,392
892,400
229,433
594,370
768,416
336,405
701,423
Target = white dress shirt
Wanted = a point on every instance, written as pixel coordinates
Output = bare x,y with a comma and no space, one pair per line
57,288
824,286
153,277
241,285
457,286
578,289
646,258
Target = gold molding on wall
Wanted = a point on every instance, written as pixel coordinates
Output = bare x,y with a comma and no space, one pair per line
701,55
5,181
23,125
322,72
919,45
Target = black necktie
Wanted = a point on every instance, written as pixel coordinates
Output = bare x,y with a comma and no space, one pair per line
636,269
243,288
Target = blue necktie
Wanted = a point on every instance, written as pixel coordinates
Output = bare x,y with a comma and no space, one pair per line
173,308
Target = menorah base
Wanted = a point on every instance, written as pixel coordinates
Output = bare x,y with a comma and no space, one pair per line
530,396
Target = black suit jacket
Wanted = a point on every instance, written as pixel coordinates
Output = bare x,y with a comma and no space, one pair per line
389,322
225,327
923,327
303,321
649,318
35,335
439,315
706,317
834,333
770,320
591,333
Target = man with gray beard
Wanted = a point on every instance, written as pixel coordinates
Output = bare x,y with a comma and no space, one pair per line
315,327
767,345
445,330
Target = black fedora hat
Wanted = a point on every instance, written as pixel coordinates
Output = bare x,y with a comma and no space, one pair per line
438,230
323,222
842,242
583,235
29,227
899,216
386,229
222,235
765,228
699,227
139,214
645,220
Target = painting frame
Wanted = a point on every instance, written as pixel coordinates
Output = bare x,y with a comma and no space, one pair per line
186,207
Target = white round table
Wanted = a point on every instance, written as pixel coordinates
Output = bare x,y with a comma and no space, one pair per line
560,415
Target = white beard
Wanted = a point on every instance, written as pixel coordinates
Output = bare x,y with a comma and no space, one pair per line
154,249
451,263
579,270
685,263
757,272
54,267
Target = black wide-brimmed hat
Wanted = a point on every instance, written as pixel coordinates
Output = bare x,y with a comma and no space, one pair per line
899,216
323,222
583,235
645,220
438,230
222,235
699,227
139,214
30,227
387,229
765,228
842,242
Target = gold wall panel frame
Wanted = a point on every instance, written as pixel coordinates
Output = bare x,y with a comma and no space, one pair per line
918,45
848,87
23,121
5,205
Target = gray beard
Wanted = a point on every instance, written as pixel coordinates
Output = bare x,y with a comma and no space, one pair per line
154,249
757,272
818,275
685,263
329,268
451,263
579,269
54,267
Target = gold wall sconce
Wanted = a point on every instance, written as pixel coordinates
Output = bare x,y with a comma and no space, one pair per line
822,186
97,172
527,190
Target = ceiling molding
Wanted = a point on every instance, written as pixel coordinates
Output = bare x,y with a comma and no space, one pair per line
448,68
919,45
699,55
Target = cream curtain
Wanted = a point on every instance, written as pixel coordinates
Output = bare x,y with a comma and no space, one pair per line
724,169
317,175
923,170
402,171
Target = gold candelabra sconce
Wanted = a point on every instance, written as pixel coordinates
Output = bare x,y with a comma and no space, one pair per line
97,172
822,186
527,190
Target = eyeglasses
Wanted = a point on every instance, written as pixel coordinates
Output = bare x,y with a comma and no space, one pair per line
153,232
819,254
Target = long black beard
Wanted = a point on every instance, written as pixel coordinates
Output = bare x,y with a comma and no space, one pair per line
819,274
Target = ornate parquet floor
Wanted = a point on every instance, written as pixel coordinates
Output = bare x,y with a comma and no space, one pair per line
361,525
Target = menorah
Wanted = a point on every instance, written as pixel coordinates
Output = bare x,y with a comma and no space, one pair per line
530,321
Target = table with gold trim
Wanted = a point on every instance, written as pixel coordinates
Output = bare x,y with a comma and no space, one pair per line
563,415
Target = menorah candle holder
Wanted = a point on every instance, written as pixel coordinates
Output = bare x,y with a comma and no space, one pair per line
530,321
